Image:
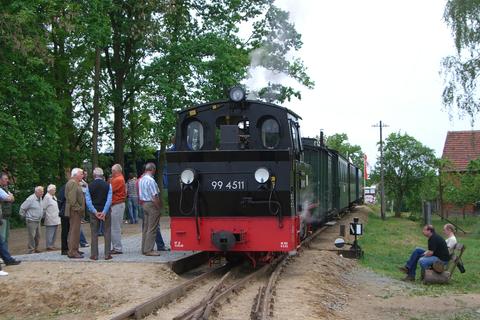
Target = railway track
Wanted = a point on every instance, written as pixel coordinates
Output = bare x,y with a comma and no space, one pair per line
144,309
231,281
262,308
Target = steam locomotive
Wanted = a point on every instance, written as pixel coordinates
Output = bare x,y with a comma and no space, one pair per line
242,180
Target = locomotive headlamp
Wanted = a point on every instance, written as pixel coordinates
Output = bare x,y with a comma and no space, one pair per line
187,176
262,175
236,94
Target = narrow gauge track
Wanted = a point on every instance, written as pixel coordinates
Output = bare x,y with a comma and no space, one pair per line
262,308
228,284
144,309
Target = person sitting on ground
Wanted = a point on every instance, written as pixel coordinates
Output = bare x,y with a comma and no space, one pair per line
437,251
32,210
449,231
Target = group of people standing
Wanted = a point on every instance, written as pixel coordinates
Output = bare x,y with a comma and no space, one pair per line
104,203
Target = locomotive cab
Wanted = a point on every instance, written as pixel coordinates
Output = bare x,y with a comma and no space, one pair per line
236,178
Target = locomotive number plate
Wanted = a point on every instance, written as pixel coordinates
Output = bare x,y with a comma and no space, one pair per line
228,185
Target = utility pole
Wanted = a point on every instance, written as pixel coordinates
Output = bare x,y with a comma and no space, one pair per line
382,188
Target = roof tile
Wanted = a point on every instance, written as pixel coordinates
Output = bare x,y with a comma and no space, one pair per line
461,147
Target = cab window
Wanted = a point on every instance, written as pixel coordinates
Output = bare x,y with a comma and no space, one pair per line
293,128
270,133
195,135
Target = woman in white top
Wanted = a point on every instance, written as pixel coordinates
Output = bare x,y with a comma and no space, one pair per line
449,231
52,220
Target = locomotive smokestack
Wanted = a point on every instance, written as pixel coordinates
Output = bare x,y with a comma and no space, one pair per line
322,140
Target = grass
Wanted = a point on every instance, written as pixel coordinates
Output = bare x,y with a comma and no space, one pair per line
388,244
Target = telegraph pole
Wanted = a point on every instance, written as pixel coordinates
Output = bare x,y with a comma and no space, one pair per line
382,189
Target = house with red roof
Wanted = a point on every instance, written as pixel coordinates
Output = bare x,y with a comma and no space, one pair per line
460,148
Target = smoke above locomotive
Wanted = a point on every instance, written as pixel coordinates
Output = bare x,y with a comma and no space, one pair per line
241,179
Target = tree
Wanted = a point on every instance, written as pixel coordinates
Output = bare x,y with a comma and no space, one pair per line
339,142
407,165
461,71
462,188
29,111
199,55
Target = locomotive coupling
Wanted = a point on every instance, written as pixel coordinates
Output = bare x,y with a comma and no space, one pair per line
223,240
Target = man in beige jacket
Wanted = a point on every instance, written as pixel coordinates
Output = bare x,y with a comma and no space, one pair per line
75,210
52,219
32,210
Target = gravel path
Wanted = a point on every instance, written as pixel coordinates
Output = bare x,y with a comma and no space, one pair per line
131,252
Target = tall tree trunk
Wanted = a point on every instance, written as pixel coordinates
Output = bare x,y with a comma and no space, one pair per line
123,48
118,105
398,206
96,108
132,138
62,92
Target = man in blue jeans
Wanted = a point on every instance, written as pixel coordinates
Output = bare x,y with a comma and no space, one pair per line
437,251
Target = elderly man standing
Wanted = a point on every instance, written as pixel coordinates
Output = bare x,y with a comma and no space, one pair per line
99,199
119,194
149,195
52,219
32,210
75,210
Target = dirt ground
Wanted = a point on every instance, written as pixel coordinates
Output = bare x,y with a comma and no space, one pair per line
318,284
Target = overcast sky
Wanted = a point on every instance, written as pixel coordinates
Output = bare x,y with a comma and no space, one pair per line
374,60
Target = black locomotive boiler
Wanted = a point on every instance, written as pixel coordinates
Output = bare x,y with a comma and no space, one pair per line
241,180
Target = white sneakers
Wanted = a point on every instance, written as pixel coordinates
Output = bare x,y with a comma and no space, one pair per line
3,273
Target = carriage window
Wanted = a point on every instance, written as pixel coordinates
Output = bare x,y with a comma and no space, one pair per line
270,133
195,135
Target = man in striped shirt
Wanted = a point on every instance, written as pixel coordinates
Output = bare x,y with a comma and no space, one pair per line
149,195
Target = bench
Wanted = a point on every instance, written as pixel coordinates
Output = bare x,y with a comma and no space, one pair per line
456,258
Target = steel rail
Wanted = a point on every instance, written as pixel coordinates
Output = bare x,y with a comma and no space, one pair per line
263,306
142,310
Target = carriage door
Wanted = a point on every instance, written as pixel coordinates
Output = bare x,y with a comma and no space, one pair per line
299,171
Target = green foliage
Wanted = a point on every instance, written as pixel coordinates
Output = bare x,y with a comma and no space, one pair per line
463,188
408,171
339,142
29,112
461,71
157,57
403,235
